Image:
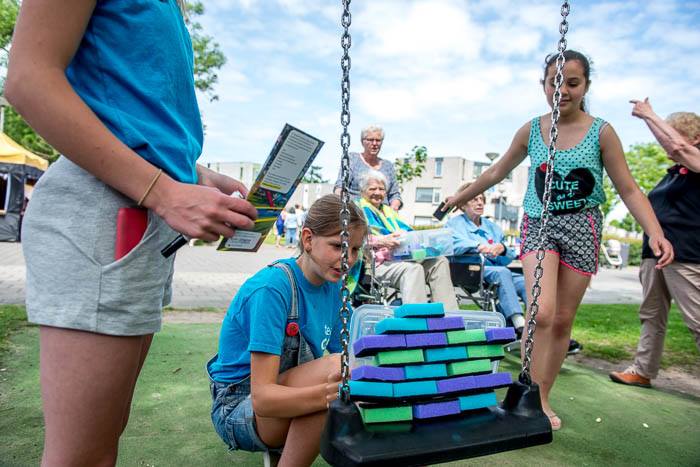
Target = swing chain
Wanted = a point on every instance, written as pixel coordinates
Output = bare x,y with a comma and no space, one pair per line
345,199
525,376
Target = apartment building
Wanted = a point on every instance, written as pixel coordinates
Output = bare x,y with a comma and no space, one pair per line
245,172
441,178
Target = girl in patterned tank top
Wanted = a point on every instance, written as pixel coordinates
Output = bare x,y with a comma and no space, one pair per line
585,146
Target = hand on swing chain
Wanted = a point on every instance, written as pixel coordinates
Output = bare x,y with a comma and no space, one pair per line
332,387
662,249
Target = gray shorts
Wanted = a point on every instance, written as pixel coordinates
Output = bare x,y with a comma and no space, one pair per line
73,281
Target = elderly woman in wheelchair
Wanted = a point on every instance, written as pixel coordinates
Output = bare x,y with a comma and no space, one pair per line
474,234
409,277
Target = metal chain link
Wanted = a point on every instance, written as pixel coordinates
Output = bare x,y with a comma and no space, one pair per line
345,42
525,376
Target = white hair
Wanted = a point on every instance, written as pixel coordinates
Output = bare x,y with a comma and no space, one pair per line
371,129
372,175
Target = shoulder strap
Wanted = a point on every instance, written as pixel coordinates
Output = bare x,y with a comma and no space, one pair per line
293,313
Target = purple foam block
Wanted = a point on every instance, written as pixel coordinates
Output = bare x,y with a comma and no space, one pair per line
492,380
426,339
368,345
494,335
445,324
436,409
367,372
463,383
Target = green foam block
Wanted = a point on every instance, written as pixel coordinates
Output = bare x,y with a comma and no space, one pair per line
386,414
469,367
419,255
399,357
485,351
466,336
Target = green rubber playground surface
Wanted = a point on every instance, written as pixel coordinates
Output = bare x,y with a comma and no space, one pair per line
603,423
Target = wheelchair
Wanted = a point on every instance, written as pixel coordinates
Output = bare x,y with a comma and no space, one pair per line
467,273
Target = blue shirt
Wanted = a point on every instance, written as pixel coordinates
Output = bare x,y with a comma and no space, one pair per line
257,319
135,69
467,236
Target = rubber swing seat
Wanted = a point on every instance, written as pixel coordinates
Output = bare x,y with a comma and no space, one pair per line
518,422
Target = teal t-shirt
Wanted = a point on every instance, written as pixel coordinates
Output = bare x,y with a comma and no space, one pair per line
257,319
578,173
135,69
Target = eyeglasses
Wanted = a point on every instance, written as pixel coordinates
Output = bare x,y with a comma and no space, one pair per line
374,140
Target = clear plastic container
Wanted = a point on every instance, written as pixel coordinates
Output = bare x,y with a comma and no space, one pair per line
417,245
366,317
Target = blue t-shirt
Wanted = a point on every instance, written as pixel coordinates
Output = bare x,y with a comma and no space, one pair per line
135,69
257,319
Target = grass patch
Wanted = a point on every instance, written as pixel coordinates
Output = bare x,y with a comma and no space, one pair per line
170,422
12,318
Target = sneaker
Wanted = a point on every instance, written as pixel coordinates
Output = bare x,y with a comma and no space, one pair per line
630,377
574,347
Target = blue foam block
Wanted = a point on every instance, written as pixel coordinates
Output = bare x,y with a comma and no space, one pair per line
433,370
419,310
393,325
426,339
494,335
369,345
370,388
415,388
368,372
436,409
445,354
493,380
478,401
463,383
445,324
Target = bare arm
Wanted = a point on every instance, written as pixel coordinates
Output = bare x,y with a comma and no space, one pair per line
47,35
679,149
515,154
638,204
271,399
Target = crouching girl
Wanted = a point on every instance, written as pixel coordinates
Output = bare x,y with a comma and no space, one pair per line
270,382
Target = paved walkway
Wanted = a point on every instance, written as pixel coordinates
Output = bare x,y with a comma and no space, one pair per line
205,277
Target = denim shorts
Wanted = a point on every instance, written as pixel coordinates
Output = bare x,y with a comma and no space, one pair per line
233,417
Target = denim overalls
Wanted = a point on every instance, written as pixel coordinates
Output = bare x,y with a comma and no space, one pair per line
232,410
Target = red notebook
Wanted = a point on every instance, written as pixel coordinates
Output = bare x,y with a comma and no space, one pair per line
131,225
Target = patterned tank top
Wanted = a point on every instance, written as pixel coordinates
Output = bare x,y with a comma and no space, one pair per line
578,173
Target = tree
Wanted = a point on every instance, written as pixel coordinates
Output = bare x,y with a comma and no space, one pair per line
208,59
648,163
313,175
412,165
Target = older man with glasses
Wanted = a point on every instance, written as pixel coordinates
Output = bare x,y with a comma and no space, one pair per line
372,138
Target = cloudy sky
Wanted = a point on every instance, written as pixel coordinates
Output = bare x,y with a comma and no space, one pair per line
459,77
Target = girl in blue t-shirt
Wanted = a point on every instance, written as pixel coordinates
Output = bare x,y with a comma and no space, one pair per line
110,85
585,146
270,381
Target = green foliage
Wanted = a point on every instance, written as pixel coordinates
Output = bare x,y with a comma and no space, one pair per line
412,165
18,129
648,163
12,317
627,223
8,16
313,175
208,57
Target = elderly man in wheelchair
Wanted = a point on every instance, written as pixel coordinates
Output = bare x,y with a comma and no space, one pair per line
476,237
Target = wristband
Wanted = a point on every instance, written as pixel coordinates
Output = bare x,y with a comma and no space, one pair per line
150,187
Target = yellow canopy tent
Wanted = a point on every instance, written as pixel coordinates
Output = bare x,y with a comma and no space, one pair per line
18,167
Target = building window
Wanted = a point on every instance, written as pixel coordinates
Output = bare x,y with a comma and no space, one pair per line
4,192
480,167
428,195
438,167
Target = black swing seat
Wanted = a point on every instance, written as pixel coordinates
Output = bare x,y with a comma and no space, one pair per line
518,422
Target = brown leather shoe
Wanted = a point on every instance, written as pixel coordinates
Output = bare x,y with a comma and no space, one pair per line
630,377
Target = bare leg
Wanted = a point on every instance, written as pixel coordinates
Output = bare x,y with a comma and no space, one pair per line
87,381
301,436
547,304
145,347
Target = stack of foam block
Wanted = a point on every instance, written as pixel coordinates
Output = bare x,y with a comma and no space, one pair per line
426,365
